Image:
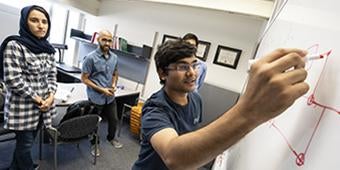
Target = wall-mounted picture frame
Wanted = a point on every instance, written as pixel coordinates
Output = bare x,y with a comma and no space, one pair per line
203,50
227,56
169,37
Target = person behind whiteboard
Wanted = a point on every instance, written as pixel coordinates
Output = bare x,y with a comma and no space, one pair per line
202,71
170,117
30,78
99,73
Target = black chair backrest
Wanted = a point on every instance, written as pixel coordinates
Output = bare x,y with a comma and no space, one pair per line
79,108
2,101
78,127
131,100
3,131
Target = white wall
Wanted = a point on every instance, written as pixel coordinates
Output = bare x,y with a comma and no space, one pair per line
58,14
20,4
11,16
138,21
89,6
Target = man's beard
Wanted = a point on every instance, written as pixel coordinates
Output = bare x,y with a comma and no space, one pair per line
102,47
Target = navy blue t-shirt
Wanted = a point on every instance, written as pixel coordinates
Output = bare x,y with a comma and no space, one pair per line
160,112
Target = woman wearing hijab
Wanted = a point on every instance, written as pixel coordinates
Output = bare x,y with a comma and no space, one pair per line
30,76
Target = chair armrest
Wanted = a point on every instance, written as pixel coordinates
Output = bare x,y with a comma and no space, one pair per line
125,110
127,105
52,131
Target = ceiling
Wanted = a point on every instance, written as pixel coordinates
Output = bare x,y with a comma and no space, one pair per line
258,8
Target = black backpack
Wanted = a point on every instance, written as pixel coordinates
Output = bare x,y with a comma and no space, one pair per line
79,108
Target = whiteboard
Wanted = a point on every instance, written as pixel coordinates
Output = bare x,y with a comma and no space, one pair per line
9,17
307,135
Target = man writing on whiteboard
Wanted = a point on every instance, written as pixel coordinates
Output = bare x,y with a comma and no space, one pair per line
171,139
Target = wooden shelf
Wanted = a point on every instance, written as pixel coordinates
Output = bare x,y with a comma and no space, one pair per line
143,53
133,63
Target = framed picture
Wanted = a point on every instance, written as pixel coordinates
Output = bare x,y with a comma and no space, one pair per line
169,37
227,56
203,50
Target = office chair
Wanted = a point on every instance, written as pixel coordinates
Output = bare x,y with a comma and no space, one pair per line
5,134
124,104
78,123
125,114
134,113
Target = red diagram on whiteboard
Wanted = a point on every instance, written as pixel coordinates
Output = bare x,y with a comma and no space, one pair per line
311,102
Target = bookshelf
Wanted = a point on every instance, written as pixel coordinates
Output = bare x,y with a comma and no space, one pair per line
133,63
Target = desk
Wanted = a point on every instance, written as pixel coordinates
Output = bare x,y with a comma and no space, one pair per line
68,74
79,93
68,68
64,97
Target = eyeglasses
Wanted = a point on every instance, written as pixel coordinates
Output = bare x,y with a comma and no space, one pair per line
185,67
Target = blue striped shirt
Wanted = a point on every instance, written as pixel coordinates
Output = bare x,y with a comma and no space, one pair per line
100,72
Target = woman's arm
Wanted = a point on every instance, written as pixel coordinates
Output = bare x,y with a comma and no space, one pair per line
13,54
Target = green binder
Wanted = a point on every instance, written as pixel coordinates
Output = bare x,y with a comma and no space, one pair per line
123,44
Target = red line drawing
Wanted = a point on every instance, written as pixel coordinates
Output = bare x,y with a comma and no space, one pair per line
312,102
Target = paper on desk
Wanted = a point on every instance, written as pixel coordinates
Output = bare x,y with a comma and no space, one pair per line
62,95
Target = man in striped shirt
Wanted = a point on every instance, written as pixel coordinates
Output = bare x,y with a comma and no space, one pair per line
99,73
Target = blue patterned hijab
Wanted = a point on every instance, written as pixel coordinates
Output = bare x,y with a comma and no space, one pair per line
27,38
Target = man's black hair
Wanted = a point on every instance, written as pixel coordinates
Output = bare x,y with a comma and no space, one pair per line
172,51
191,36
